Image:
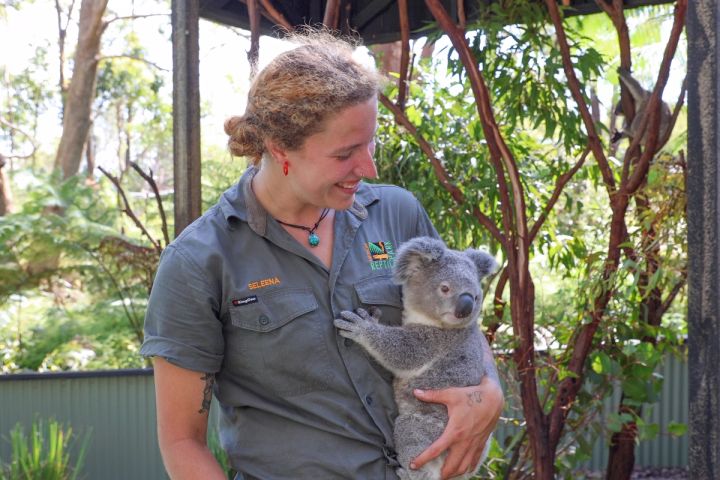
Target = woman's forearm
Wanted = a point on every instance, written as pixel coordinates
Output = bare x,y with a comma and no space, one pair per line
190,459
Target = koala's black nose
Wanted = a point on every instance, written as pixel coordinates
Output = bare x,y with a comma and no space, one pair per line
464,305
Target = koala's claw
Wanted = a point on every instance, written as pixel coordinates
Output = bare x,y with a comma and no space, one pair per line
372,314
375,313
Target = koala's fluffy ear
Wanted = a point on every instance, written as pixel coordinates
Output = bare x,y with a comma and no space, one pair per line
414,254
484,262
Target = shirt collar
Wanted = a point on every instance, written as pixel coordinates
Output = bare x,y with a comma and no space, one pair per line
240,203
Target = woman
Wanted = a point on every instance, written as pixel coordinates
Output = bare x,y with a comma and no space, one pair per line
244,299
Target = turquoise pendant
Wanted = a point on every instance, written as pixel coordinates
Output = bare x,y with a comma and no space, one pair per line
313,240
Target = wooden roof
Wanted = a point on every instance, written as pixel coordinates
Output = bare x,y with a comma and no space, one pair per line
377,21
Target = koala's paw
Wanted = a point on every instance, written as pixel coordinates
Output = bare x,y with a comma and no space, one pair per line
349,324
352,325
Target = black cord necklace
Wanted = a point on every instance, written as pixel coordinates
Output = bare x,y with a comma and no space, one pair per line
313,238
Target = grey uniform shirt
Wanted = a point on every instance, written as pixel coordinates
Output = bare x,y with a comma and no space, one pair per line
237,296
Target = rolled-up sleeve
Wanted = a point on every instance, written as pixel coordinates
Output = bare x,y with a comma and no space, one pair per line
181,323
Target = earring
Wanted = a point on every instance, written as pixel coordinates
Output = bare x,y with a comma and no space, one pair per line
286,167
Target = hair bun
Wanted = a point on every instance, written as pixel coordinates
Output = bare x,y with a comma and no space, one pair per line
244,139
231,124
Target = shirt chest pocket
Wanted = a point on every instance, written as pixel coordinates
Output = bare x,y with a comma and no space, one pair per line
380,291
278,342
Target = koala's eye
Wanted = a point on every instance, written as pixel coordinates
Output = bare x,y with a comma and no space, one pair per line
444,288
476,297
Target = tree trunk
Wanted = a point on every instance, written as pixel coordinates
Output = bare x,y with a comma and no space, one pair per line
522,311
5,196
81,91
621,461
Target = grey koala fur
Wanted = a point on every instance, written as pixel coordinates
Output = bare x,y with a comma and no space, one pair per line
642,100
437,346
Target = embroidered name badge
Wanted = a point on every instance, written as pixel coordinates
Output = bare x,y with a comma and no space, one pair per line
266,282
380,254
238,302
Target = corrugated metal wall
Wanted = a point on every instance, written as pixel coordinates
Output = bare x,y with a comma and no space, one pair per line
119,408
665,450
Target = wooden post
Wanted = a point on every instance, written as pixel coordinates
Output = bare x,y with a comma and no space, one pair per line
703,234
186,112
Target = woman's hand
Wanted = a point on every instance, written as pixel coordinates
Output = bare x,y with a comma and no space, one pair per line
472,415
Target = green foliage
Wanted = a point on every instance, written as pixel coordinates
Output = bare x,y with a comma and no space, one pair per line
523,69
213,442
45,453
62,242
677,429
74,271
220,171
27,98
516,52
135,98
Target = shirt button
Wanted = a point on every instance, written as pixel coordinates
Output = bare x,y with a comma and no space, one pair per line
264,320
347,342
368,400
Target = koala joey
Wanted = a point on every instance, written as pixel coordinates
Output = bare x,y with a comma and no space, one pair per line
437,346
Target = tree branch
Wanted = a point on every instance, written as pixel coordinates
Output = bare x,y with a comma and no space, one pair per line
403,78
515,218
332,14
676,111
274,15
498,305
132,57
462,18
619,202
654,104
440,171
574,86
25,134
254,52
135,17
679,285
156,192
559,187
128,211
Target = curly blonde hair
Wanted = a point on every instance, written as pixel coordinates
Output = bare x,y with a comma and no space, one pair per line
290,99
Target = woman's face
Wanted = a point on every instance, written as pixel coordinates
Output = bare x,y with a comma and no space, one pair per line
326,171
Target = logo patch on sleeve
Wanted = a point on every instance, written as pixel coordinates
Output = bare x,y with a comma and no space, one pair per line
380,254
238,302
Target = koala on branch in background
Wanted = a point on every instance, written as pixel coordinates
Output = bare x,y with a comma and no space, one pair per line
437,346
641,97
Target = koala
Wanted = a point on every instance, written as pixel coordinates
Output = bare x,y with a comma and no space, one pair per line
437,346
642,99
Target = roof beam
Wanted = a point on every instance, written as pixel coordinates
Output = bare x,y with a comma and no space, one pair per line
369,12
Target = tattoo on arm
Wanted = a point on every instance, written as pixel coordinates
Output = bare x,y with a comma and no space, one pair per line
473,398
209,379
